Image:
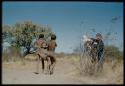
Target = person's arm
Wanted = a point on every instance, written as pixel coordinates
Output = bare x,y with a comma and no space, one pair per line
44,44
93,40
55,44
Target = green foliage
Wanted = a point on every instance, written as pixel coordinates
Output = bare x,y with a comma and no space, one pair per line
113,52
22,34
7,33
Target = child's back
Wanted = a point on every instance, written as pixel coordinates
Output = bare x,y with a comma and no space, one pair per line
52,45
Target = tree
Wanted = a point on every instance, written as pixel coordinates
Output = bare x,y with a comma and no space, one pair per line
22,34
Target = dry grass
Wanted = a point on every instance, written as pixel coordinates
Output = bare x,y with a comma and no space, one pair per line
69,66
111,73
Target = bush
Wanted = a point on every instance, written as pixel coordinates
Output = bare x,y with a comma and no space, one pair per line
11,54
113,52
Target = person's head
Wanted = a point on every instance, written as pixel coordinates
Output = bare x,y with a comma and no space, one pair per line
53,37
41,36
98,36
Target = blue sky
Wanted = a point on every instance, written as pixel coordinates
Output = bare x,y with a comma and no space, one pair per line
69,20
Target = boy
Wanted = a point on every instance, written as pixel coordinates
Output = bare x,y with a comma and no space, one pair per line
41,51
51,50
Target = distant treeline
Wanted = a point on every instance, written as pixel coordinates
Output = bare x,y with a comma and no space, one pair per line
111,51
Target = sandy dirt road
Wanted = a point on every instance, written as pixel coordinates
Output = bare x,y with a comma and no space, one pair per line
15,73
65,73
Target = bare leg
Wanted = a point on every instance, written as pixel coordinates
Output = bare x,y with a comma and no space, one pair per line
48,65
52,68
43,66
37,65
53,61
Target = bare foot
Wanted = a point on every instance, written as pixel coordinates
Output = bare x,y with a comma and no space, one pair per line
36,72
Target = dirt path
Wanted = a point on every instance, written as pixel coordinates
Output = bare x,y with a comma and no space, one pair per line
24,74
65,72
